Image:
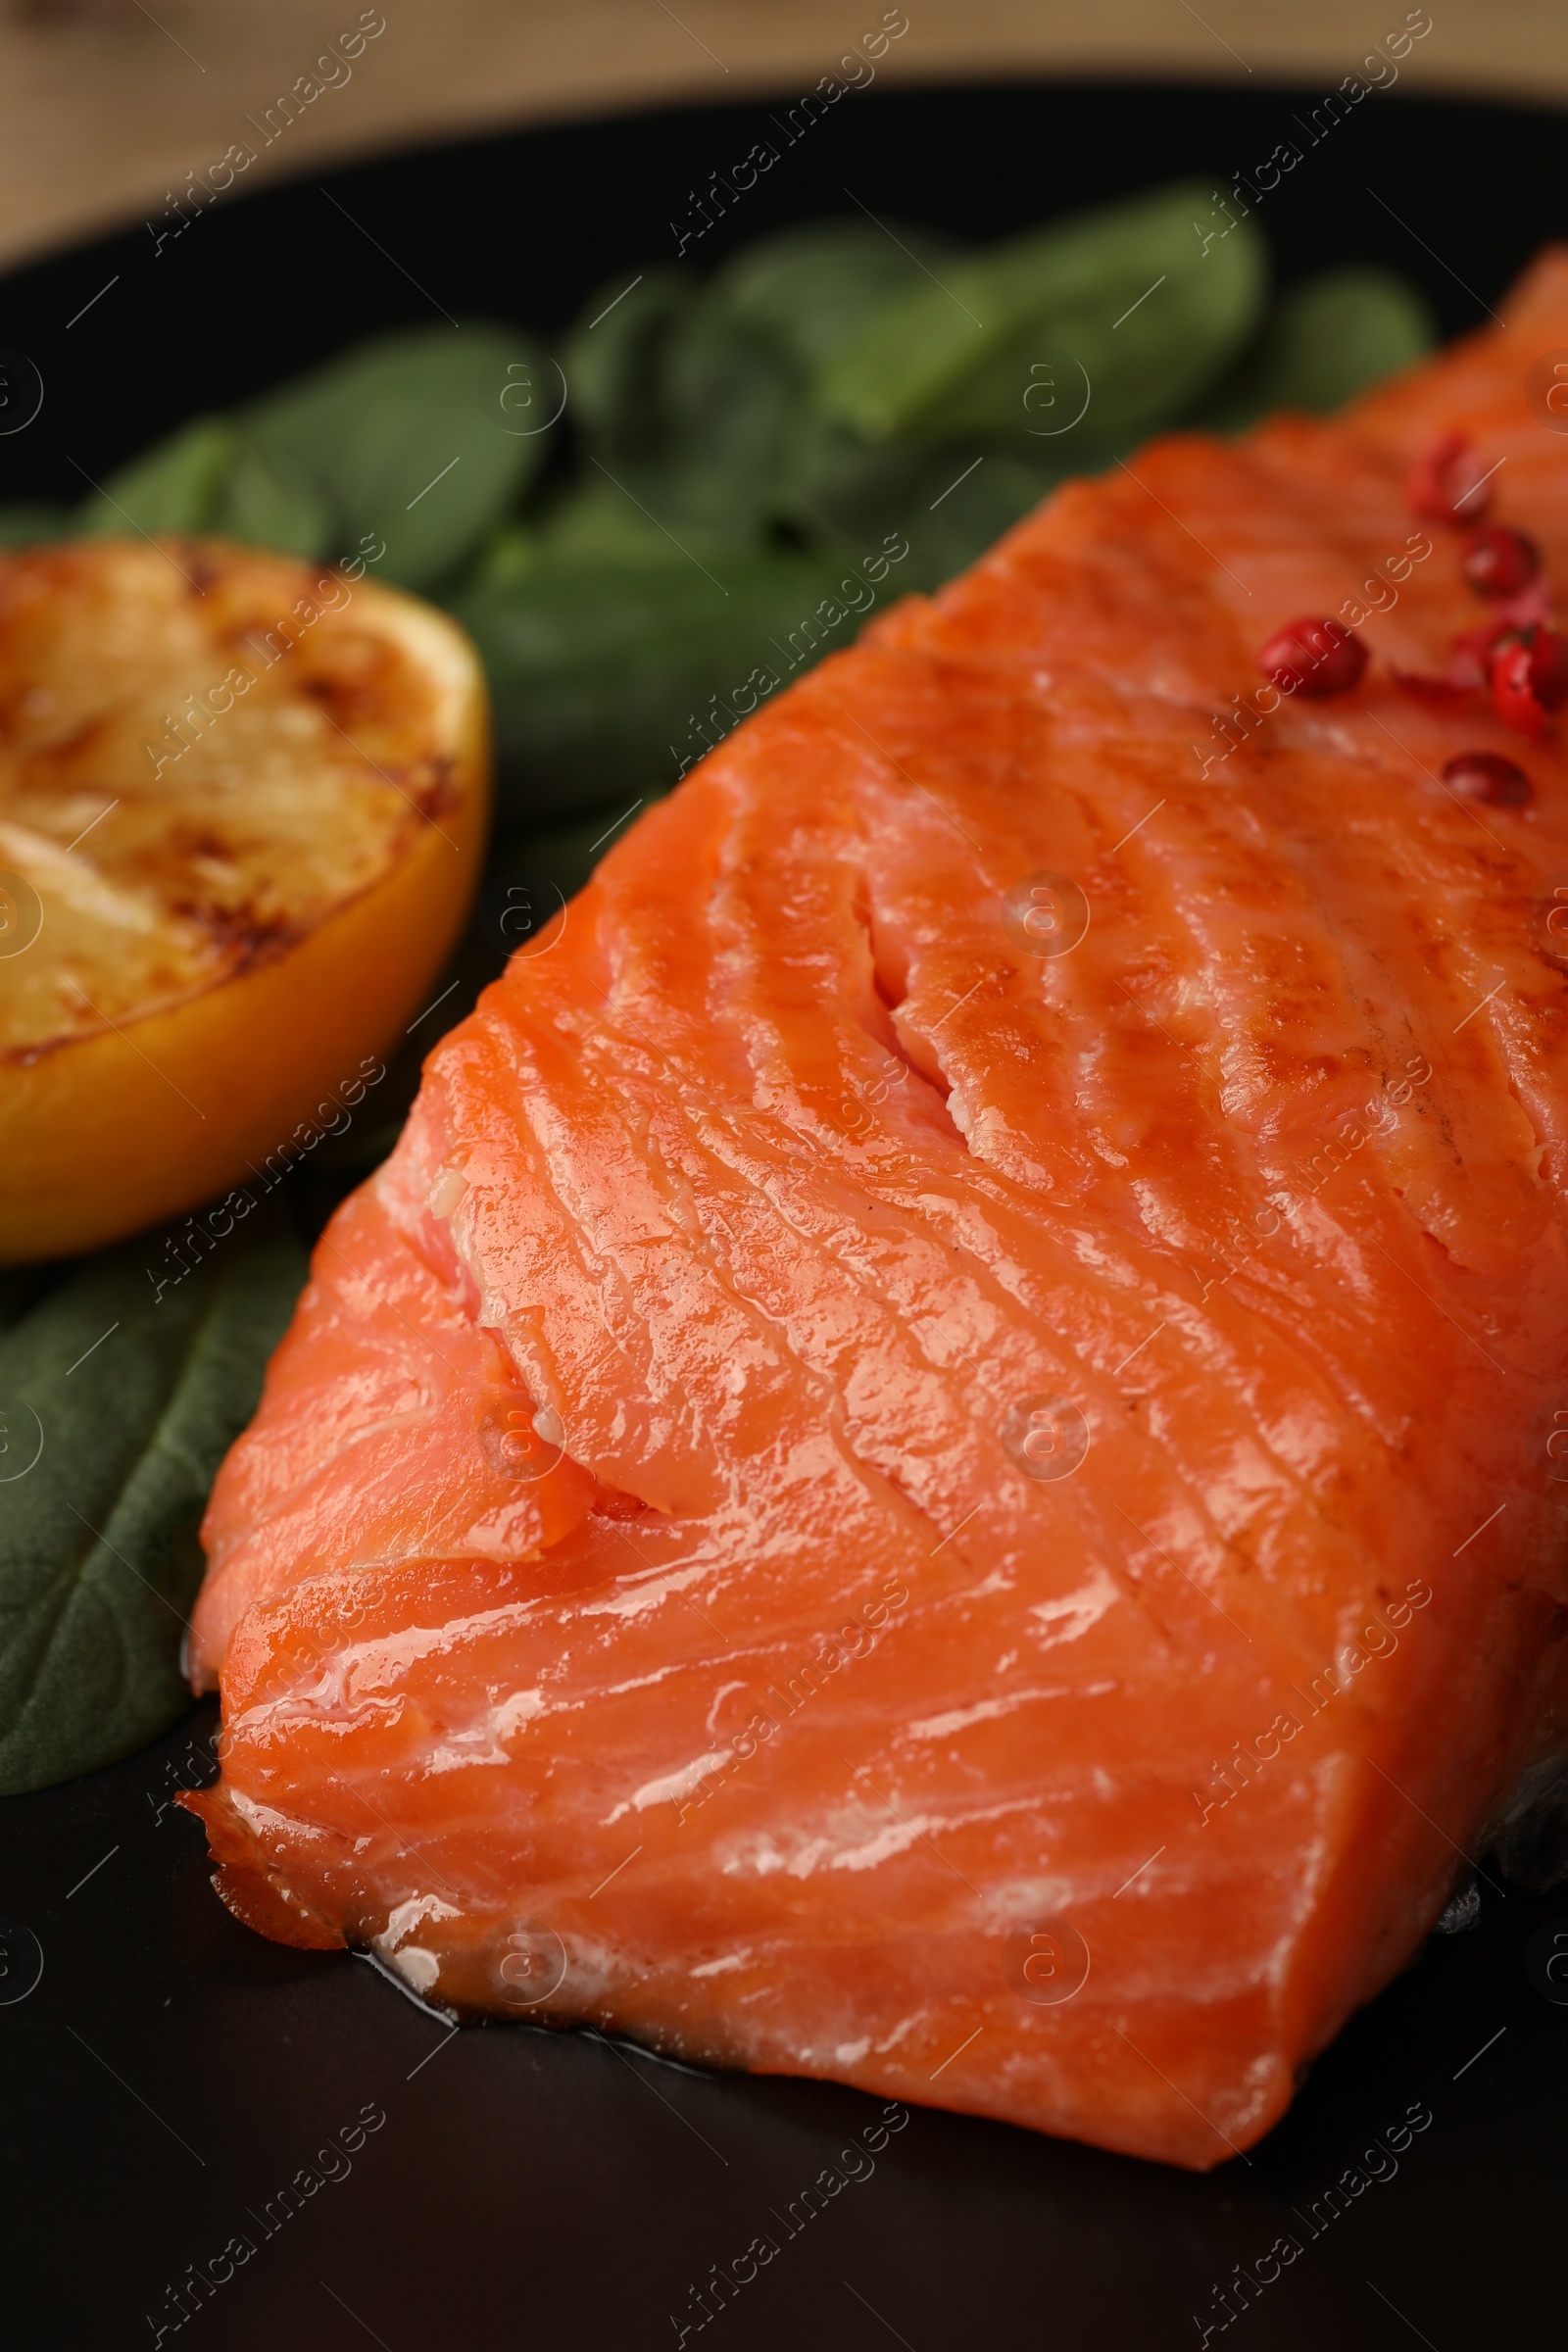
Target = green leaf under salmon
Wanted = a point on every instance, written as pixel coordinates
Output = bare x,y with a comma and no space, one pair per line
118,1401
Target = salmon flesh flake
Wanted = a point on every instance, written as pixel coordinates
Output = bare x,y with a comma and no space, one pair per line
933,1460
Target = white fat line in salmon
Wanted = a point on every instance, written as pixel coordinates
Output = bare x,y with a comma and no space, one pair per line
317,1645
332,72
858,73
202,2281
199,712
1378,2162
1248,711
1380,74
1247,1762
854,2164
800,1682
807,638
202,1234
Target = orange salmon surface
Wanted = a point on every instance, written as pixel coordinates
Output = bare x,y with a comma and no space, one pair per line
934,1462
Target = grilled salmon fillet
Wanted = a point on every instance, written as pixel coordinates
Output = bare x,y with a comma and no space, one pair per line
933,1461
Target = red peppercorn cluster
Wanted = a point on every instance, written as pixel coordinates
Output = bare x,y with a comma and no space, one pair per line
1518,657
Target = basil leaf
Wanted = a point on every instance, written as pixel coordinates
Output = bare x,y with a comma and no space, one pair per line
1324,341
99,1557
174,487
1130,292
422,439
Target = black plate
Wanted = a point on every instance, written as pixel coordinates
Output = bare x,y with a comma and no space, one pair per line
170,2073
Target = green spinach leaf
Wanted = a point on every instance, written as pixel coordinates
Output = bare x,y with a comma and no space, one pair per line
268,507
1324,341
608,670
1129,293
614,362
175,486
116,1408
684,407
812,289
422,438
33,527
951,504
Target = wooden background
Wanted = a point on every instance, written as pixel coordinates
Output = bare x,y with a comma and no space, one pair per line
106,104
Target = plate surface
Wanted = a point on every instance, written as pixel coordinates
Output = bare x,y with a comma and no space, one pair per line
168,2074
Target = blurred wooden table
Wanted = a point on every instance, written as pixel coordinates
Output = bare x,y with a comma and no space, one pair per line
105,105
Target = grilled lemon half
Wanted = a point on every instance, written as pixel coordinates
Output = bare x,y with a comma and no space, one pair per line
242,810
